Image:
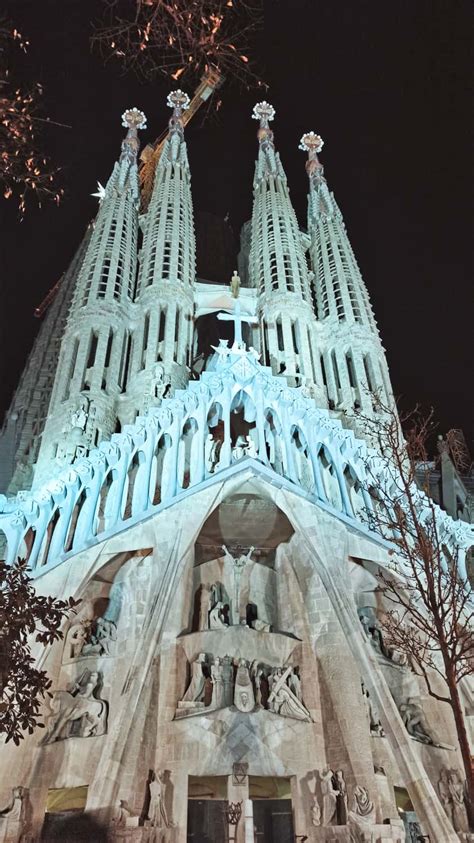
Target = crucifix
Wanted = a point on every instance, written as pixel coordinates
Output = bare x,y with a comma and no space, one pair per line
238,562
237,317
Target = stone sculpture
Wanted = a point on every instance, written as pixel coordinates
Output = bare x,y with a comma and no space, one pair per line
374,633
315,812
195,689
13,818
340,789
373,715
101,639
452,795
228,680
244,698
217,616
217,679
157,815
282,700
238,563
77,637
414,720
329,795
361,817
257,685
78,712
124,815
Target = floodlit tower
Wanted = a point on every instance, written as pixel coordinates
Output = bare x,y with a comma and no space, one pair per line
278,267
165,297
351,354
20,437
93,358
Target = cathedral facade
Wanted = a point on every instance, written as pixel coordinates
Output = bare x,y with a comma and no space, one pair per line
225,676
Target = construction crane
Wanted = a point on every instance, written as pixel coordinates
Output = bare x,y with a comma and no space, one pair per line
150,155
149,158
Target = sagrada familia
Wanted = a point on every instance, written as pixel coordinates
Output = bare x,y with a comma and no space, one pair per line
225,675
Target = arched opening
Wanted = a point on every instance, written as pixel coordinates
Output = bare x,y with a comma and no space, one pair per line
215,436
354,492
187,455
47,538
329,478
302,459
73,522
243,415
157,493
273,440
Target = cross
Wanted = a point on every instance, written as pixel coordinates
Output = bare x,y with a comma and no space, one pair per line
237,318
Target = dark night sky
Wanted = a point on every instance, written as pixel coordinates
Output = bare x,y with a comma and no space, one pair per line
388,85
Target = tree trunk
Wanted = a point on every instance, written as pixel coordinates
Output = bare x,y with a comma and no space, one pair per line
463,743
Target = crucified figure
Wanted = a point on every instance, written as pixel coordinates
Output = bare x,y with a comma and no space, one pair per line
239,562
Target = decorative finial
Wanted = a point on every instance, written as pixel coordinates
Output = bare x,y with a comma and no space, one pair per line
178,100
132,118
264,112
311,143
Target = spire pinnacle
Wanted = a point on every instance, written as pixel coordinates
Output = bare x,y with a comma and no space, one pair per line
179,102
312,144
265,113
132,119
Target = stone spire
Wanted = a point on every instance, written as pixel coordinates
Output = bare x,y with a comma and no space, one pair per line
92,361
352,357
277,265
167,269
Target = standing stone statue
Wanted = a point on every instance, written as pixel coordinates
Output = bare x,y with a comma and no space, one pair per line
457,793
315,812
228,680
244,698
329,795
238,562
361,817
444,792
373,715
156,810
339,786
13,818
196,687
217,680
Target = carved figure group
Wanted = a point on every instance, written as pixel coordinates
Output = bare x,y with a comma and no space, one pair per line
96,637
79,711
220,682
453,798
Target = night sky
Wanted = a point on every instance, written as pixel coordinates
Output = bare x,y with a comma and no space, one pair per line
388,86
